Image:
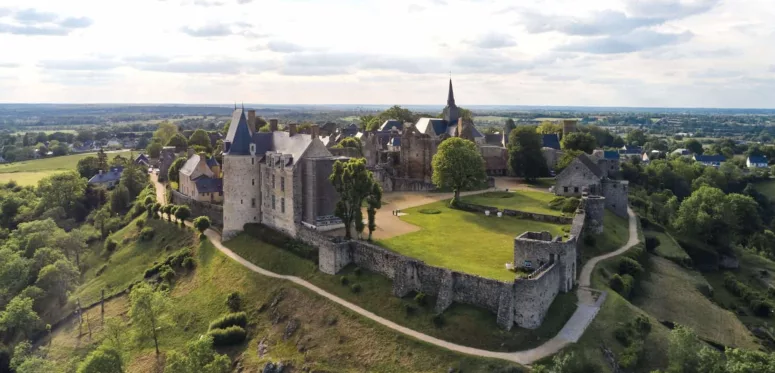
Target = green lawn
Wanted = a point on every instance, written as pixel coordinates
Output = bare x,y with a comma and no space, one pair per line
521,200
465,241
30,172
668,247
766,187
464,324
616,232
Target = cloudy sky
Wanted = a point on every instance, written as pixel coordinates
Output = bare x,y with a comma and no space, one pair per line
690,53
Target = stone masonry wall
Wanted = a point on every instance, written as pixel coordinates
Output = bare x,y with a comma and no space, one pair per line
615,193
241,188
532,297
518,214
594,208
199,208
411,185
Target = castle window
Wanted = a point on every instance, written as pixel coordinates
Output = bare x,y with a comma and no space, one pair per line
252,160
252,202
575,189
565,189
273,184
273,205
240,202
253,182
282,205
282,183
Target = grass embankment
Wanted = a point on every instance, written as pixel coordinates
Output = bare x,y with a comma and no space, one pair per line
463,324
521,200
766,187
328,337
668,248
616,232
30,172
465,241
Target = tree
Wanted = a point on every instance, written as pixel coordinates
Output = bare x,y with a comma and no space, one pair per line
88,167
119,199
60,149
510,125
102,160
396,112
173,174
264,128
182,213
354,183
202,223
636,138
458,165
226,126
58,279
63,189
548,127
166,209
102,360
19,316
36,365
147,311
705,216
74,244
694,146
165,132
567,157
373,202
201,138
178,141
135,179
115,329
119,161
579,141
351,142
154,149
369,122
199,357
525,158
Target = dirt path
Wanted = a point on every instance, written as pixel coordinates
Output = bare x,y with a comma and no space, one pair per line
570,333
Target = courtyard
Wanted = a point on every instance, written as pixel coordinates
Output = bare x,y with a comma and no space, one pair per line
464,241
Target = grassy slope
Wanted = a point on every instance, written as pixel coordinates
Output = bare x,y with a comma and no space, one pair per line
466,325
522,200
672,293
668,247
766,187
615,234
464,241
30,172
330,339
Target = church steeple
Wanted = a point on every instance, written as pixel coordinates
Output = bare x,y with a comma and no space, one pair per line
450,95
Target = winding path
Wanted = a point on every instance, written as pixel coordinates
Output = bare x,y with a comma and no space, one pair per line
587,308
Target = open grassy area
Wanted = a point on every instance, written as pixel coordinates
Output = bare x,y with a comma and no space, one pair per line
328,339
464,324
521,200
30,172
615,234
668,247
766,187
25,178
672,293
464,241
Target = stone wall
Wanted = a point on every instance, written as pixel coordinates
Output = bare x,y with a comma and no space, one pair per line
241,193
534,250
319,196
519,214
616,199
594,207
417,152
574,179
199,208
533,297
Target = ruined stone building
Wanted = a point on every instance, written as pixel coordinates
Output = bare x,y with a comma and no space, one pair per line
276,178
594,176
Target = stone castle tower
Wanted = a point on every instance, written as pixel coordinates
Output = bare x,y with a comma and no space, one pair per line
240,170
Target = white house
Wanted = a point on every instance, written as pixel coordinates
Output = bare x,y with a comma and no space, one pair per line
754,161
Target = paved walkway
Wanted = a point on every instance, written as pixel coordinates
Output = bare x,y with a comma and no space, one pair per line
570,333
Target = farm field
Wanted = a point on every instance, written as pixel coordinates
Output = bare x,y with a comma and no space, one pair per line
31,171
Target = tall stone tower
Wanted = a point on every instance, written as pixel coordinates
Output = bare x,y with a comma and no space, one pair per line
241,177
568,126
451,111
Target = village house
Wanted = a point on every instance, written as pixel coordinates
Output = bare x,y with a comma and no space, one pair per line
710,160
108,179
200,179
754,161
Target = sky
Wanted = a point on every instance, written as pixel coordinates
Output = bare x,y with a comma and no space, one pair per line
643,53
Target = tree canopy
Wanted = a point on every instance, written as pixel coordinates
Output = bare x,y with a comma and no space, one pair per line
198,357
166,131
525,158
354,183
458,165
147,311
173,174
579,141
200,138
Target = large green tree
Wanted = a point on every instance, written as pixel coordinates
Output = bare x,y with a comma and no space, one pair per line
19,316
88,167
351,142
165,132
63,189
178,141
525,158
706,215
173,174
154,149
548,127
354,183
59,279
102,360
636,138
458,165
199,357
147,312
201,138
135,179
579,141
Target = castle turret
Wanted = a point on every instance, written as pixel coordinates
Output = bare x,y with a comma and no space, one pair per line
241,178
568,126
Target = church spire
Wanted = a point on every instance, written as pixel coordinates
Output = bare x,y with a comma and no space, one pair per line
450,95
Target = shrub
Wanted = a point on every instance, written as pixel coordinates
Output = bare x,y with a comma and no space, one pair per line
622,334
430,211
635,253
227,337
652,243
234,301
343,280
420,298
110,245
628,266
589,240
761,307
147,234
140,223
229,320
202,223
557,203
189,263
357,271
629,358
167,273
202,237
570,205
621,284
438,320
355,288
771,291
642,324
150,272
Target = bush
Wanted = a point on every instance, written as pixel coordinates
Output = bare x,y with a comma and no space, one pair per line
430,211
343,280
110,245
621,284
622,334
228,336
147,234
355,288
150,272
589,240
167,273
140,223
761,307
629,358
229,320
189,263
635,253
234,301
570,205
357,271
652,243
420,298
771,291
628,266
202,237
557,203
438,320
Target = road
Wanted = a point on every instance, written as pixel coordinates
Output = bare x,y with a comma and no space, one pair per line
570,333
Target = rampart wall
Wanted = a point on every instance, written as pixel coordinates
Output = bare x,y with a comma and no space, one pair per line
199,208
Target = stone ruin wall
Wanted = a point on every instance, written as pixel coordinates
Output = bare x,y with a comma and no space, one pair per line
200,208
533,297
616,199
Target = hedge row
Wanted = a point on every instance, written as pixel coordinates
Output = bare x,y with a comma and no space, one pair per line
756,300
228,336
174,260
229,320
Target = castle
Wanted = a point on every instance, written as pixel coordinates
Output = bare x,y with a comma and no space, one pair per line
276,178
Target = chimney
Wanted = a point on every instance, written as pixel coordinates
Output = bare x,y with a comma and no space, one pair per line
189,152
272,125
100,172
292,129
252,120
315,131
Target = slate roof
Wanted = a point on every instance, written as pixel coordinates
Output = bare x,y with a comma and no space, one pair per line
281,142
438,125
631,150
390,124
493,139
757,159
206,184
114,174
709,158
350,130
239,135
590,164
395,141
610,154
551,141
142,159
212,162
190,165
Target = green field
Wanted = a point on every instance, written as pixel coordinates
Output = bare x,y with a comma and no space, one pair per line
767,188
465,241
521,200
30,172
47,132
668,248
464,324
